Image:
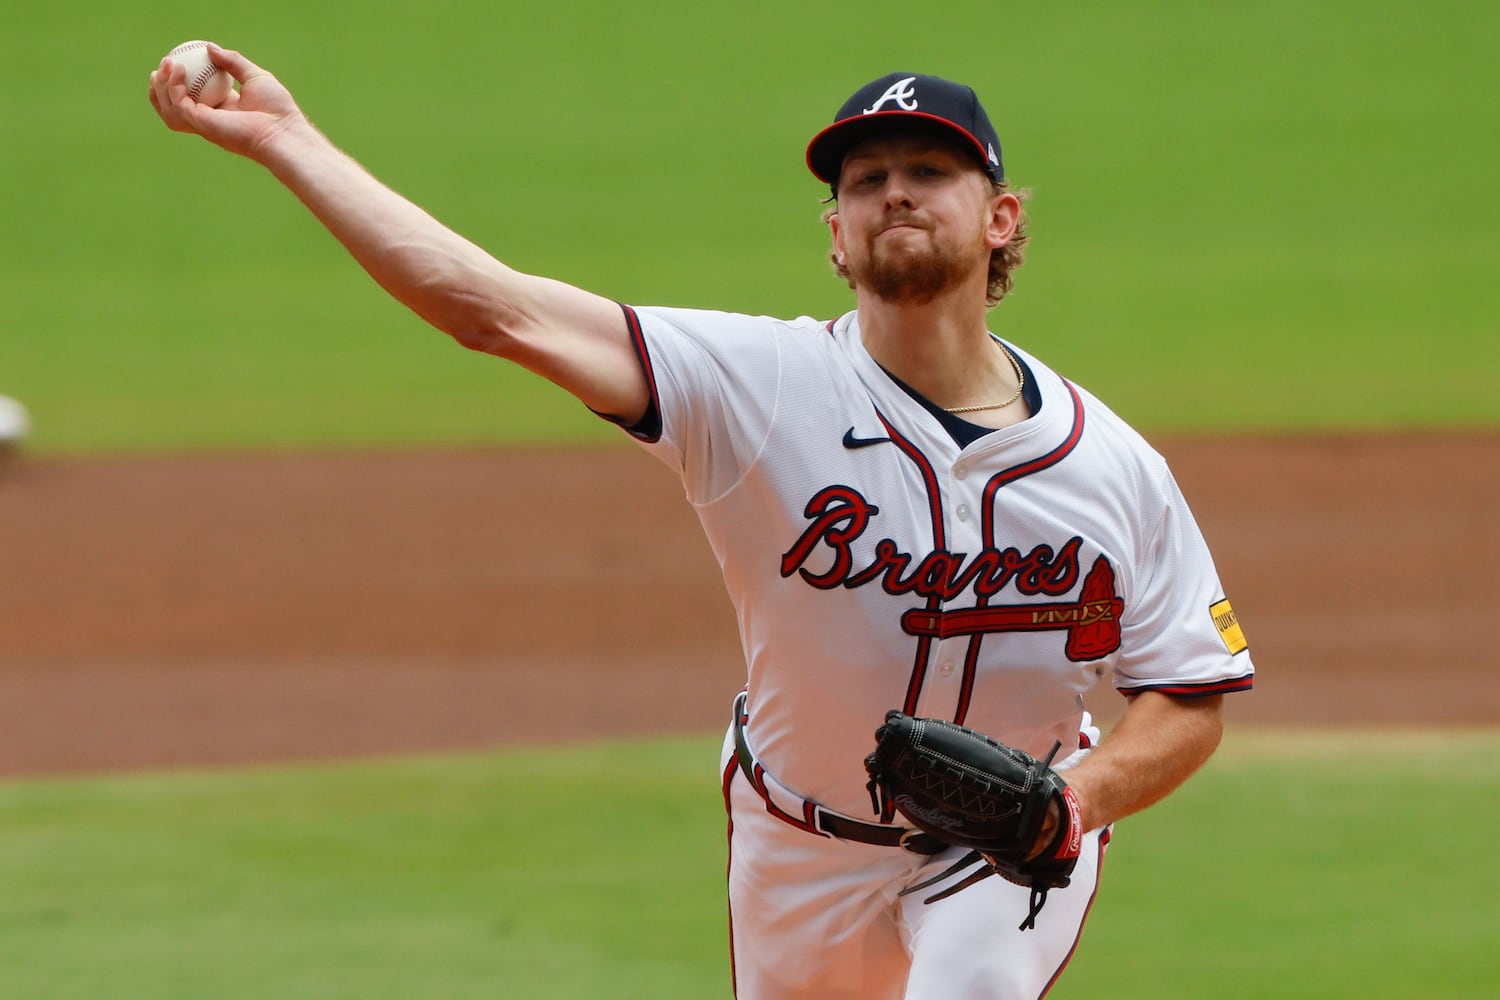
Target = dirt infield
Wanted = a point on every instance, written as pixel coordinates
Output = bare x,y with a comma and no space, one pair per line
161,612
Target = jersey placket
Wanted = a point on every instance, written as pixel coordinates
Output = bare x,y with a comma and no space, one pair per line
950,658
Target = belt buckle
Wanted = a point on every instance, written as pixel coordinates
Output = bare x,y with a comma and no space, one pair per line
919,842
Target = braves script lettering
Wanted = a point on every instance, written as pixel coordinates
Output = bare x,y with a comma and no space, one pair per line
839,515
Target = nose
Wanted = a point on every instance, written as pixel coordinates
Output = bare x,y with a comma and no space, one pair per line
896,193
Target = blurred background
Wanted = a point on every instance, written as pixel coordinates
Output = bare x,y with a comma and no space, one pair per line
1267,215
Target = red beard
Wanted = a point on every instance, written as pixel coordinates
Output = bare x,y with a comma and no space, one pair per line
911,276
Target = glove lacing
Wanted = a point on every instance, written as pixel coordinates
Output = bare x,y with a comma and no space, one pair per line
880,802
1034,906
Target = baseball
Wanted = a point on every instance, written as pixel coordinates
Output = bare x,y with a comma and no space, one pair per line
206,83
14,422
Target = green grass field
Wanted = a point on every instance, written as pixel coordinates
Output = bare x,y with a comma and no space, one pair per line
1270,215
1293,866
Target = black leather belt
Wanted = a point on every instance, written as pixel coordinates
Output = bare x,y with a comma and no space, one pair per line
826,820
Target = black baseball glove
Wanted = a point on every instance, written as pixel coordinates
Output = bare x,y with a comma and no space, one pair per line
969,791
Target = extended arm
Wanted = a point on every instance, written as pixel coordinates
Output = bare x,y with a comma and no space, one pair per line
572,337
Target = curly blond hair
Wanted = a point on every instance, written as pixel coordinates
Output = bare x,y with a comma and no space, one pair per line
1003,261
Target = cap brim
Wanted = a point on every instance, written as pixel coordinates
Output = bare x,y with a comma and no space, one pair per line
826,152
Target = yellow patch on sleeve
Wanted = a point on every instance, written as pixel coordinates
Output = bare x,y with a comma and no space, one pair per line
1229,627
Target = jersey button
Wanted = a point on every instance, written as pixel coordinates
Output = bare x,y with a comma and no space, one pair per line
945,668
961,472
963,512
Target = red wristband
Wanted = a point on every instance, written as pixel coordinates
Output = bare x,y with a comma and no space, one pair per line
1072,841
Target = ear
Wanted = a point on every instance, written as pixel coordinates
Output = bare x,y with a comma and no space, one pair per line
1004,217
837,232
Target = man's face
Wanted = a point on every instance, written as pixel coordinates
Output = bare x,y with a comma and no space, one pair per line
915,217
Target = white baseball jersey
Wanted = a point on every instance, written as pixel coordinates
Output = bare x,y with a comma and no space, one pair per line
876,564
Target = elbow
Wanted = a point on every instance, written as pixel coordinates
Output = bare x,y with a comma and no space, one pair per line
487,327
480,311
1209,719
475,337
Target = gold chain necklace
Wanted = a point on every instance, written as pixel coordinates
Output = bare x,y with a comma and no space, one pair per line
1020,386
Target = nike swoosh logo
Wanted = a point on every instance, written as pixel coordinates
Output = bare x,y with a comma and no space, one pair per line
850,441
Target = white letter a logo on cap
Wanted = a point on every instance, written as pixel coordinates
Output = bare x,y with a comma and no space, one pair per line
901,92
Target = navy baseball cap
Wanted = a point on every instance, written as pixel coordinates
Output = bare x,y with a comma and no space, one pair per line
906,100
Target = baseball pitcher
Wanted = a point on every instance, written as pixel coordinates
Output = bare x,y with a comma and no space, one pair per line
936,545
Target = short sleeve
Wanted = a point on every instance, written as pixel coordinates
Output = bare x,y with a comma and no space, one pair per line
715,381
1180,634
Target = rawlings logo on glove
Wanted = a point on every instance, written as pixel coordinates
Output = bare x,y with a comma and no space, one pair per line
970,791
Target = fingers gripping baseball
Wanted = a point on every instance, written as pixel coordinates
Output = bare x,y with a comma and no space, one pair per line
245,120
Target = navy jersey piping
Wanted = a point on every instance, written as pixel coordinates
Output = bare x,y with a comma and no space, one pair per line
987,531
648,429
